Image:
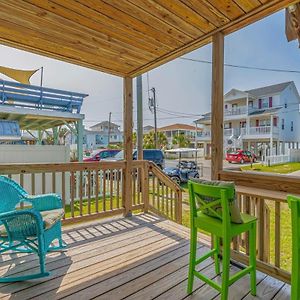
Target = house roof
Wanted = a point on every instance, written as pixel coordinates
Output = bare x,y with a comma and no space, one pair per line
124,38
105,123
270,89
177,126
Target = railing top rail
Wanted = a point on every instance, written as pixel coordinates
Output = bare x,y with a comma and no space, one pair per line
58,167
265,181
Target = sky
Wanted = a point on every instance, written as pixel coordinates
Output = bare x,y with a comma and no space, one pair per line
183,88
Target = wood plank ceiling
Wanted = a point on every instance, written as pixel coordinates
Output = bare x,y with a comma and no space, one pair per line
123,37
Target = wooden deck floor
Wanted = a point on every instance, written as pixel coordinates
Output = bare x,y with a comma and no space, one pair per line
143,257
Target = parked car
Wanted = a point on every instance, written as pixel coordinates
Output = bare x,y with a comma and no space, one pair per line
100,154
154,155
241,156
183,172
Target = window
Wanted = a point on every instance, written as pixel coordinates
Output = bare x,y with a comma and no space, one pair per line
292,126
234,107
265,103
282,124
270,102
250,103
226,106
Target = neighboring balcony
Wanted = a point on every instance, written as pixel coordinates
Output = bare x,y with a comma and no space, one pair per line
235,112
260,132
204,136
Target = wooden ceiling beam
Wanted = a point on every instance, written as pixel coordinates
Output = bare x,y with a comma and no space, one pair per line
95,24
260,12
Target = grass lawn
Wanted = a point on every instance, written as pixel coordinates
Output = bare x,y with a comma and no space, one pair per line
280,168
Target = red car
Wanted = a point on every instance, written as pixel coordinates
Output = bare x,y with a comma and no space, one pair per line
240,156
101,154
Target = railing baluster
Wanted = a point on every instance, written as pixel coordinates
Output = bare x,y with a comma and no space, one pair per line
104,190
118,172
111,190
43,183
32,183
172,204
53,182
97,190
277,234
261,224
133,187
89,191
80,193
72,185
63,190
158,193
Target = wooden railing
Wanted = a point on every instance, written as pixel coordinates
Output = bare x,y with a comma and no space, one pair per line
264,195
93,190
165,195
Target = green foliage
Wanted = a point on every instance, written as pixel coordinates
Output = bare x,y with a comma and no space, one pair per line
181,141
148,141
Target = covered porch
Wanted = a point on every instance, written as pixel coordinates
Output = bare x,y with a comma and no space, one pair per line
128,39
141,257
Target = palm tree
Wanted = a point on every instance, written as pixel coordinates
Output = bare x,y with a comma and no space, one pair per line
149,143
181,141
62,134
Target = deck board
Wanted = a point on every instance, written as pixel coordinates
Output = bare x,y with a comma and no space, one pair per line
143,257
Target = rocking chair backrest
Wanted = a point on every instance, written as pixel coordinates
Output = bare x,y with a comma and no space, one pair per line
11,194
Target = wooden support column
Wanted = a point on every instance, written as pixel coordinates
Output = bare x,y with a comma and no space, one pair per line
128,147
217,105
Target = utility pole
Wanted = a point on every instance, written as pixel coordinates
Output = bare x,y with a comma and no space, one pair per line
152,105
109,121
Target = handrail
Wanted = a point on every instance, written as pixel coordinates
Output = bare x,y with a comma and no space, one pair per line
57,167
165,196
163,177
267,181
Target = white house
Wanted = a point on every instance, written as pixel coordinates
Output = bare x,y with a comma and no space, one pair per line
172,130
99,136
258,118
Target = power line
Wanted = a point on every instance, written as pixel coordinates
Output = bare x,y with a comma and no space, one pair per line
244,67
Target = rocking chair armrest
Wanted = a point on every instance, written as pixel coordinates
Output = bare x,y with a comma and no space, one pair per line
45,202
25,222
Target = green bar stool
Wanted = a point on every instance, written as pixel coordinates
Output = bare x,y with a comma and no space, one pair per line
294,204
210,204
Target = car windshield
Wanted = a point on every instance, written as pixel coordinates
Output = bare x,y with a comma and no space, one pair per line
234,152
119,155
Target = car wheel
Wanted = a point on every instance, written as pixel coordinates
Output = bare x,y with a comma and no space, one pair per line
196,176
242,161
230,161
176,179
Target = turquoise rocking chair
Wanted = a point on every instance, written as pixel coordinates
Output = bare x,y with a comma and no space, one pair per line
29,230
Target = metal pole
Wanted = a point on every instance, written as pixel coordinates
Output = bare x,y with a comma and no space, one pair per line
109,121
196,141
155,118
42,76
139,102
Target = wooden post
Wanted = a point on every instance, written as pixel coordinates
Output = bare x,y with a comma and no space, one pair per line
128,147
217,105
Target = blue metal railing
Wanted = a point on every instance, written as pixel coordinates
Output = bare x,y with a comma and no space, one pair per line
31,96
